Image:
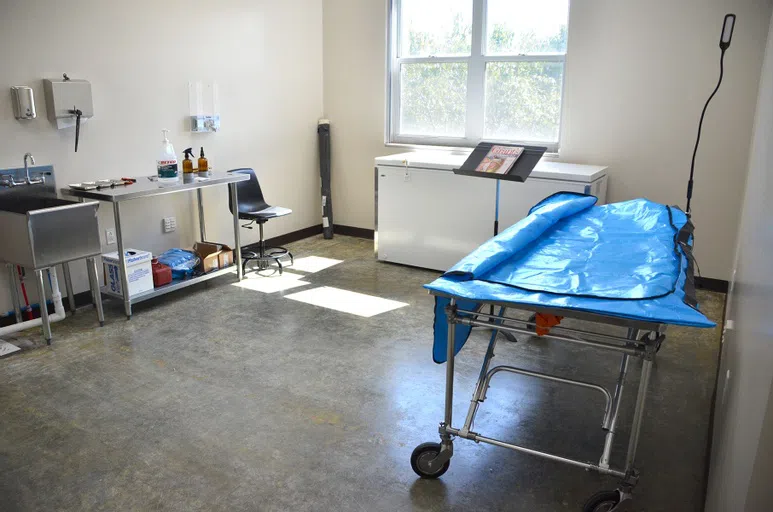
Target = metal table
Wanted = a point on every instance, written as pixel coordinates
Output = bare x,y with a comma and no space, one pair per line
144,187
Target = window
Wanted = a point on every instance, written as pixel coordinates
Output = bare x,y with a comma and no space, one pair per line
462,71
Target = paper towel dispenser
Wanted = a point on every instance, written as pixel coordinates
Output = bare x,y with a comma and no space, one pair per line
66,97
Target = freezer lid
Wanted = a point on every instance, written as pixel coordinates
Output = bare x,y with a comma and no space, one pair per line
447,161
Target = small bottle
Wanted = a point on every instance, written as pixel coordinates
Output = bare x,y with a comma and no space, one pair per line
203,164
188,163
168,173
189,176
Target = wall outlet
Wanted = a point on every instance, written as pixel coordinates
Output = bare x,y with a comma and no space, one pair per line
110,236
170,224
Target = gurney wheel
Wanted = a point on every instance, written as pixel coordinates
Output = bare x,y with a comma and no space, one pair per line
420,457
604,501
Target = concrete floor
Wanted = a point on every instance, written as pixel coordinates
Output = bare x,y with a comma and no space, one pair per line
223,398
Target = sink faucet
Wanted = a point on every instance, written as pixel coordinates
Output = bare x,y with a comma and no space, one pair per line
28,156
6,180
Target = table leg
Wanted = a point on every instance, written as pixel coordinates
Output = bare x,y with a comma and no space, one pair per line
237,237
127,303
14,283
638,414
610,418
68,286
40,282
202,225
446,441
91,265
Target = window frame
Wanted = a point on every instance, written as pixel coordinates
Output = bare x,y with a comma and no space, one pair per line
476,83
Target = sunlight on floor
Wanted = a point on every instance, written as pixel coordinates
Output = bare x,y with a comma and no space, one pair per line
314,263
271,284
345,301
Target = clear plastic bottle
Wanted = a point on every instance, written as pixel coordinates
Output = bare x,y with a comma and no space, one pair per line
168,172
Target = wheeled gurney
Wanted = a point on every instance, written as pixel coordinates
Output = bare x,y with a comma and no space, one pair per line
625,264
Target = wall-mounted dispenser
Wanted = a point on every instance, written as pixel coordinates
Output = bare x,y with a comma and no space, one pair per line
204,107
23,102
69,102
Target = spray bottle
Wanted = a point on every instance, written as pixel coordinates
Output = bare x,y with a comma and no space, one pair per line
188,163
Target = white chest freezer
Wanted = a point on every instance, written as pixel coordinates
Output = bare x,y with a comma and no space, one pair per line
429,217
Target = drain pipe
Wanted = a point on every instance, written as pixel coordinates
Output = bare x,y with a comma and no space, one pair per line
59,314
24,292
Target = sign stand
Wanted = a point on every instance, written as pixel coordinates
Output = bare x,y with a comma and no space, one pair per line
520,171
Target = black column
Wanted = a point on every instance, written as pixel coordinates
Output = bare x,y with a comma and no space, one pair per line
323,132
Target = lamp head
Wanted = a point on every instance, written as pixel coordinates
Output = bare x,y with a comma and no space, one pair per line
727,31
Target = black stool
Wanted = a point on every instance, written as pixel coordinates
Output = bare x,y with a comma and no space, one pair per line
253,207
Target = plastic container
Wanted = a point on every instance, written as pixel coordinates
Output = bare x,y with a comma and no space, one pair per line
166,165
182,262
162,274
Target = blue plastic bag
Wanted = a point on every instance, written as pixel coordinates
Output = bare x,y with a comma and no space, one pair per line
181,262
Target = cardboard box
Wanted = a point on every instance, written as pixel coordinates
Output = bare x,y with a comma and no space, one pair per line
139,272
213,256
226,257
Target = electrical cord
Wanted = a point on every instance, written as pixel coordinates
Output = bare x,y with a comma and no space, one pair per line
700,127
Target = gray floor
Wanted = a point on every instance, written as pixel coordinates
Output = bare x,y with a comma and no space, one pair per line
222,398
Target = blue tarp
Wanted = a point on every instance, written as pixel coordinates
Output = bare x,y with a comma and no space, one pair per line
622,260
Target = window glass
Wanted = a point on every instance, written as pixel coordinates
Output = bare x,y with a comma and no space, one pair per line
526,26
433,99
523,100
435,27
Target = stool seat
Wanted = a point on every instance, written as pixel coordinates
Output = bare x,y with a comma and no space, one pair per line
271,212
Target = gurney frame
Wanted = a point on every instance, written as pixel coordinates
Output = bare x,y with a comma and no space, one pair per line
430,460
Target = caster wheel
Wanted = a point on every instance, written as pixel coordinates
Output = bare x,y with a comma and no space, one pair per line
421,457
604,501
658,339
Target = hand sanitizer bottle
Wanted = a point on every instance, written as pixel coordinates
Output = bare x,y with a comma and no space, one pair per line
168,173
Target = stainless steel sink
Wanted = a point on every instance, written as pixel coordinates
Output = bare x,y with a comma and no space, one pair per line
39,232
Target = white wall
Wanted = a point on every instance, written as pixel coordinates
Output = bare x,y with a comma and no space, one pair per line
265,56
742,452
637,76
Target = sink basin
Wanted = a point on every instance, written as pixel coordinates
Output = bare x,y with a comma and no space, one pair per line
39,232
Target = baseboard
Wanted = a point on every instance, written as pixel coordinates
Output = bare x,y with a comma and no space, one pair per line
84,298
294,236
701,283
301,234
711,284
368,234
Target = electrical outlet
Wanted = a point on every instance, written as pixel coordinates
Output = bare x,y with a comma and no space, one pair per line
110,236
170,224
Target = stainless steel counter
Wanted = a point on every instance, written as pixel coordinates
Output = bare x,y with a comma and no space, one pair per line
144,187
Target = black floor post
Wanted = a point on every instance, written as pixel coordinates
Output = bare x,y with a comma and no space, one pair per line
323,132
